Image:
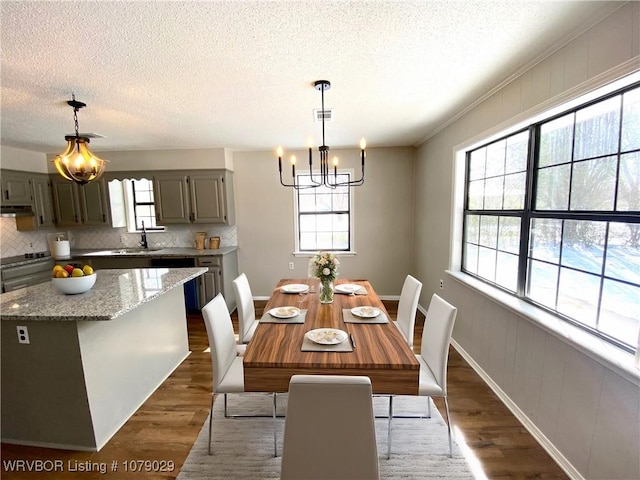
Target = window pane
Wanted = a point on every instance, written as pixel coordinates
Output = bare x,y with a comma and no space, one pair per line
341,222
477,164
514,188
593,184
556,140
476,195
341,201
623,252
324,223
307,223
620,311
496,158
489,231
507,271
308,241
629,182
340,240
597,129
472,227
306,203
471,258
578,296
493,193
487,263
323,203
552,192
509,236
545,239
325,240
583,245
631,120
517,153
542,282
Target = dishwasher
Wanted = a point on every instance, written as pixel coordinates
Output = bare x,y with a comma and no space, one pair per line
191,287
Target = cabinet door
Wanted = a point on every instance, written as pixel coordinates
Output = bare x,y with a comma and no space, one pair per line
207,198
171,199
42,201
66,206
94,203
16,188
209,285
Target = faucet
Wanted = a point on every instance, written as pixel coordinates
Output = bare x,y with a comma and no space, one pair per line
143,239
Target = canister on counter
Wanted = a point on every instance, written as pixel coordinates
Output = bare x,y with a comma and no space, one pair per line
214,243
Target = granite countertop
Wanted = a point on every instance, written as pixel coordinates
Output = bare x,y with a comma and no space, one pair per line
115,293
120,252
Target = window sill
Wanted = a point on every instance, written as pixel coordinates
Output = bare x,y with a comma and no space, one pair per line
605,353
313,254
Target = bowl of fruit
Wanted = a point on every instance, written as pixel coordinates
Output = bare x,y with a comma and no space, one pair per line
70,279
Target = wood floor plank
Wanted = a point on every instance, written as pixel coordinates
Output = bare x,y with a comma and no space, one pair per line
166,426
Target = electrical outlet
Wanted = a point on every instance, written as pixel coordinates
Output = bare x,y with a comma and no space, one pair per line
441,284
290,265
23,334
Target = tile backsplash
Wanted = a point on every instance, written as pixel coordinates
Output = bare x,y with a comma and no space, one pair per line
14,242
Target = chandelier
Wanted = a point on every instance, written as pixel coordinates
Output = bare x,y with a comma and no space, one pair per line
324,178
77,163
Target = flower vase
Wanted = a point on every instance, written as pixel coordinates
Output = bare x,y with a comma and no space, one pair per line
326,291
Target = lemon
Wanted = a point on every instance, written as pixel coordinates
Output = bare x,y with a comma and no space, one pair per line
62,273
56,269
76,272
87,269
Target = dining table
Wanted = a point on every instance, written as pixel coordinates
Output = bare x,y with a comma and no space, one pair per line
369,345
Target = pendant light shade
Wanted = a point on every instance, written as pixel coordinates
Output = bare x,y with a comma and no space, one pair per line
77,163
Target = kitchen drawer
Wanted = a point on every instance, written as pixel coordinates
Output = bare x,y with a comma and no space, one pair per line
210,261
9,273
25,281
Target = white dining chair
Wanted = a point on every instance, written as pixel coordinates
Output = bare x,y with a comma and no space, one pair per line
228,372
433,358
247,321
407,307
329,429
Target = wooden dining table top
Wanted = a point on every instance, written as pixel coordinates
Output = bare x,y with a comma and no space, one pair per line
381,352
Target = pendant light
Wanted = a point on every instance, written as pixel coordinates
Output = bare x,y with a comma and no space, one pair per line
77,163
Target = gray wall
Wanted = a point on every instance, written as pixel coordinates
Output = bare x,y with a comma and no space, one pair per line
383,220
585,410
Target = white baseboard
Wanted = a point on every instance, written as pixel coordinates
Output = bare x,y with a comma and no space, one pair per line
549,447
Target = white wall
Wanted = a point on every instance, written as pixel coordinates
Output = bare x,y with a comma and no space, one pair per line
587,411
18,159
383,220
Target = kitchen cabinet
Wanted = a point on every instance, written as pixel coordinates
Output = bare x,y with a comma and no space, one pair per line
75,205
222,270
16,187
42,205
196,196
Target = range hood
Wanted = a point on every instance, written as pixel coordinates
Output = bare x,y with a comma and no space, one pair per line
16,211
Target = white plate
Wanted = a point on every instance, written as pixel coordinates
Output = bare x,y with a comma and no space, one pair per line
284,312
366,312
327,336
294,288
348,287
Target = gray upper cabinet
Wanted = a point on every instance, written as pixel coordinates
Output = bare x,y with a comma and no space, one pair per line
16,187
75,205
41,204
197,196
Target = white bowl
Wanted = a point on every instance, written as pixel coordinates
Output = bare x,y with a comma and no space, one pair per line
73,285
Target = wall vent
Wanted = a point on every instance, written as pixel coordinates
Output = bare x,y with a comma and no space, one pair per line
326,115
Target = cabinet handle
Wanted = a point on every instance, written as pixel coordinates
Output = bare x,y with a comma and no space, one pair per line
41,220
104,218
6,194
75,218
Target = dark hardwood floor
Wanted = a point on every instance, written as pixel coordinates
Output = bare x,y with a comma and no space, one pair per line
165,427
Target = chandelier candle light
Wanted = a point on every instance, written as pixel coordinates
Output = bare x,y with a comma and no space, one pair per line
325,267
77,163
324,178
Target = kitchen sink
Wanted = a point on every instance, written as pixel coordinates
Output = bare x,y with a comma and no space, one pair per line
126,251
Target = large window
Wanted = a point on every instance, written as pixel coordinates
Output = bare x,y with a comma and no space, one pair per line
324,216
552,215
144,210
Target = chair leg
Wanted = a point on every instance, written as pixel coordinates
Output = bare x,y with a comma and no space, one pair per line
210,423
428,407
446,407
275,444
225,406
389,431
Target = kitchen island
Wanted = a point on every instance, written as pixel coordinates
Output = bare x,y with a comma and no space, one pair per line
91,359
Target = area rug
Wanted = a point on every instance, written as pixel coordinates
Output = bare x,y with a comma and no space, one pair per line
242,448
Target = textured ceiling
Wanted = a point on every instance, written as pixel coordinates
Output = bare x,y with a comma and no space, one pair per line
239,74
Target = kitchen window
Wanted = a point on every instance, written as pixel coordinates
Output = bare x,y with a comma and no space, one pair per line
324,216
552,215
144,209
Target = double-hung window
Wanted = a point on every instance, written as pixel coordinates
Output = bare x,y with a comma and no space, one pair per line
144,209
552,215
324,216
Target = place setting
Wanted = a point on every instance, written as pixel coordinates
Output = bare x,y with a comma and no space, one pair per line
299,288
350,289
328,340
285,314
364,314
